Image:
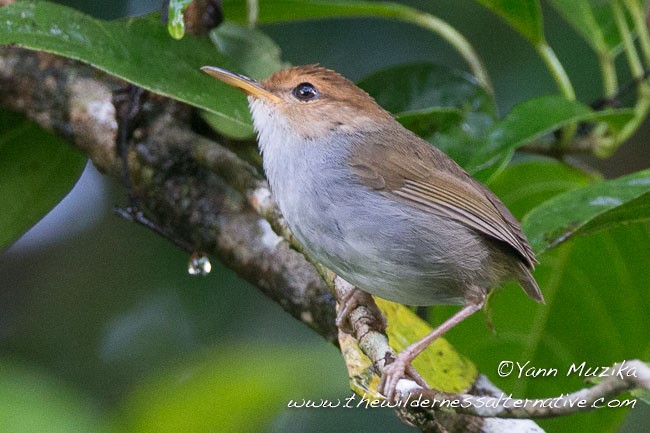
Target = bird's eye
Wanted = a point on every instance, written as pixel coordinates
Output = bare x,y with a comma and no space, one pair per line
305,92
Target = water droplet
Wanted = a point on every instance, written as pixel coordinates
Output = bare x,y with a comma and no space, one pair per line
199,264
640,181
606,201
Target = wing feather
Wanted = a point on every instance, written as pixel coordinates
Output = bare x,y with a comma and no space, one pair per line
434,183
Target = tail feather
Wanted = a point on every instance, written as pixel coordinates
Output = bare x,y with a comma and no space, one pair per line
529,284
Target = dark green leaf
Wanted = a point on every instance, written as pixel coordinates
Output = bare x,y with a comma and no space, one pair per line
532,120
531,181
431,120
37,170
465,139
594,20
589,283
585,210
419,86
597,292
446,107
132,49
252,53
525,16
300,10
605,19
233,130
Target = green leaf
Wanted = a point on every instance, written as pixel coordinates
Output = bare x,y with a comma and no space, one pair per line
233,130
597,292
440,364
176,18
408,88
37,170
595,207
131,49
589,283
525,16
594,21
254,54
238,390
532,120
251,51
528,182
31,402
642,394
301,10
446,107
428,121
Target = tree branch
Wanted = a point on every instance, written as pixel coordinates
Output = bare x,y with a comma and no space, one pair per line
188,185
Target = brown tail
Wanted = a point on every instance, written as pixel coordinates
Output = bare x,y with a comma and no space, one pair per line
529,284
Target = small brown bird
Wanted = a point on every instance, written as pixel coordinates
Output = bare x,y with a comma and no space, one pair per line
378,205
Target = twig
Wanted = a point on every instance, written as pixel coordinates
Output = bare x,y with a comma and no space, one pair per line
135,215
615,100
635,374
128,105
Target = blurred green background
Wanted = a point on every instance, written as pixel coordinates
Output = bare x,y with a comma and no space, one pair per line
96,312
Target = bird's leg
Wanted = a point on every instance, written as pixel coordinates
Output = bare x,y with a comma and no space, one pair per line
402,364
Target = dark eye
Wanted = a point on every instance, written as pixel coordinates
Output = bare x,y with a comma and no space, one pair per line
305,92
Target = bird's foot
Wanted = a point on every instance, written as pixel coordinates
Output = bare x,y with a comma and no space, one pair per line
399,369
351,301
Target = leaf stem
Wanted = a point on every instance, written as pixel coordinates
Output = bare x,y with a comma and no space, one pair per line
628,42
557,70
638,18
452,36
252,12
564,84
608,73
642,106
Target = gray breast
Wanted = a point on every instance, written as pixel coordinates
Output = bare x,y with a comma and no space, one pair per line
384,247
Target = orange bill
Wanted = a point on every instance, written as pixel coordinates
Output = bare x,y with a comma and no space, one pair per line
247,85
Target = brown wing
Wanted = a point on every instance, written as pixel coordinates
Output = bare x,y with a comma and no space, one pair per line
434,183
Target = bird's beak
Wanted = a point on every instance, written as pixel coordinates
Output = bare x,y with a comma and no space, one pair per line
241,82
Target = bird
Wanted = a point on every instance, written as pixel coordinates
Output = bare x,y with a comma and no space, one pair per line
381,207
